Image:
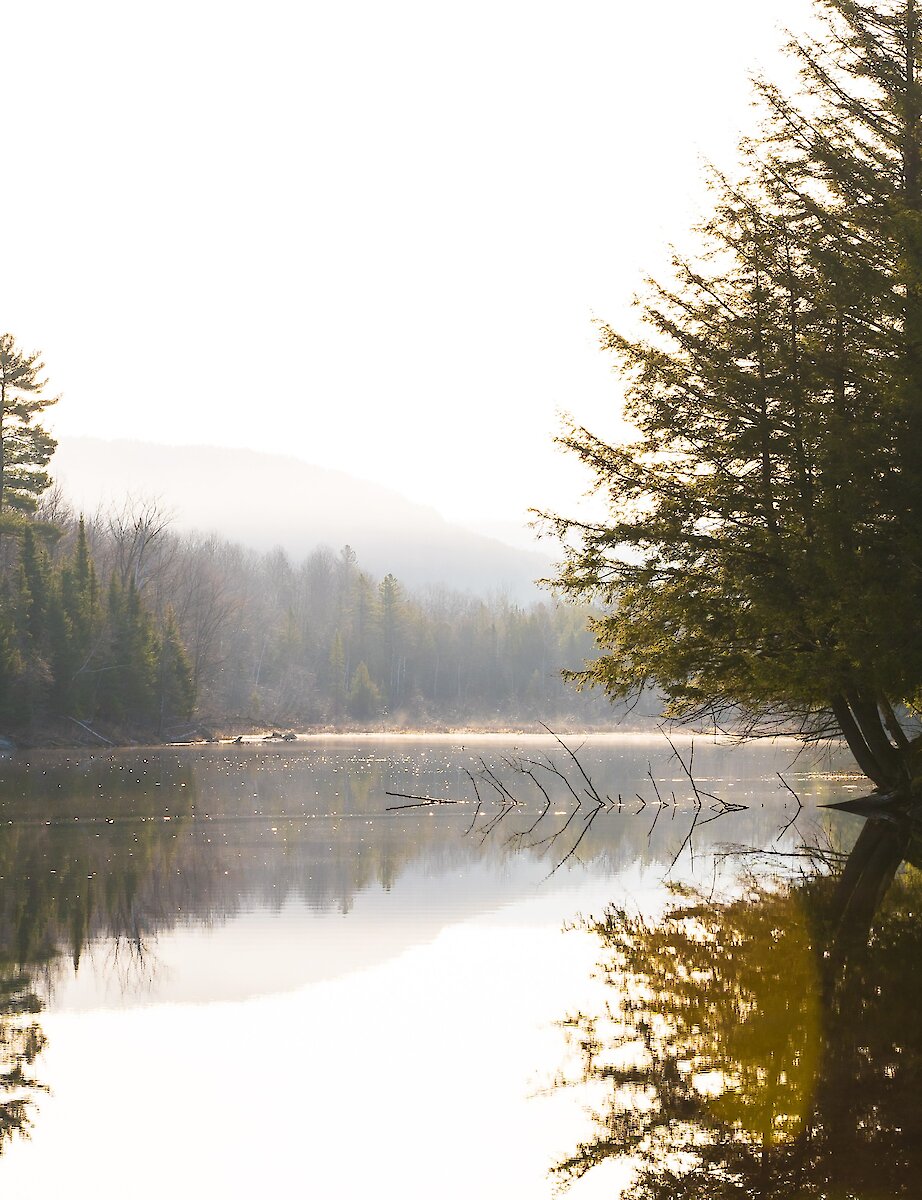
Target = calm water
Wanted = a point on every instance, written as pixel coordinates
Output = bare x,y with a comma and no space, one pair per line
247,976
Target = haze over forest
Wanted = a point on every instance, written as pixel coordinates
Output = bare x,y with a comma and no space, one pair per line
134,616
264,501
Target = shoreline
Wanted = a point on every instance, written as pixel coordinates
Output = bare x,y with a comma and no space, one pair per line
250,738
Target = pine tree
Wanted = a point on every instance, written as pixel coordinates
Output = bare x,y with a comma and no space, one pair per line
364,695
392,630
176,687
763,551
11,661
36,588
76,630
337,675
131,692
25,447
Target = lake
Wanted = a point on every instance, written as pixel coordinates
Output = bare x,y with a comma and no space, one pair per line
236,972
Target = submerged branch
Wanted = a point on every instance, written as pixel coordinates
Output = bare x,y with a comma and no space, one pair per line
544,777
421,801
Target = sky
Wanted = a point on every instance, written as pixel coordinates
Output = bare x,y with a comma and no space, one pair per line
371,235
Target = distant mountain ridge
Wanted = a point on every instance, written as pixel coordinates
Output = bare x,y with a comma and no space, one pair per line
269,500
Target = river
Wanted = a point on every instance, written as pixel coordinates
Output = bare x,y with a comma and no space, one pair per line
241,974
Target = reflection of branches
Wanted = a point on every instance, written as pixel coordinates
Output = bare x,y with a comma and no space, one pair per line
587,825
479,803
420,801
507,801
815,856
687,840
544,776
800,806
526,770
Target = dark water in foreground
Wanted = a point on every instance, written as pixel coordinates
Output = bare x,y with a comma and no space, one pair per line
236,973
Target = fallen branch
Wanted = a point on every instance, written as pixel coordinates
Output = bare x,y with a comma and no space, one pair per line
422,801
92,731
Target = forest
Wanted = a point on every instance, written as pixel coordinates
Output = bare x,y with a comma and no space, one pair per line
121,626
117,628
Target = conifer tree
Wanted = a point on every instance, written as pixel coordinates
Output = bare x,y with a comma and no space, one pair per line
76,633
11,663
25,446
364,695
132,678
392,609
763,551
176,687
337,674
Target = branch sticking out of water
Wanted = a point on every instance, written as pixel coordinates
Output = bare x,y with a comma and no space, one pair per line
421,801
800,806
544,775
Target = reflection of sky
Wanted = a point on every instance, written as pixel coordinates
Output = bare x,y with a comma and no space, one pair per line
406,1078
260,952
388,1050
269,914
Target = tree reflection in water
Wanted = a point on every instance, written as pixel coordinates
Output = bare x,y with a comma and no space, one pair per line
768,1045
21,1041
62,884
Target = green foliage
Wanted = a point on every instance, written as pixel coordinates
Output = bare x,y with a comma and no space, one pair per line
204,627
133,674
762,551
337,675
76,632
364,695
176,685
25,447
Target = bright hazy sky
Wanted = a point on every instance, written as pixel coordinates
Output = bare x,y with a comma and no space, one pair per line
369,233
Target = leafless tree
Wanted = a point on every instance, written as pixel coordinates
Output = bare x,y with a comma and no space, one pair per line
140,548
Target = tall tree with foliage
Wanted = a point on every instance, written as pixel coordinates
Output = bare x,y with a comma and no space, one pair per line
25,446
76,627
132,689
763,550
176,687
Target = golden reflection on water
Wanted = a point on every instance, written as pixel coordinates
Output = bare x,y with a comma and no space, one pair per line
767,1045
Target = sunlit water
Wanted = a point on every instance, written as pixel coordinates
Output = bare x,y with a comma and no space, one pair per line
256,980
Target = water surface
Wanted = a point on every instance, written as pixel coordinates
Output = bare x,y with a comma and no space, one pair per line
249,975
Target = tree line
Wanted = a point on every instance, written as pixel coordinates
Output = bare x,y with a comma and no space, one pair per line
119,619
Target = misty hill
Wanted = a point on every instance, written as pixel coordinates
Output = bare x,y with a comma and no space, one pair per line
269,500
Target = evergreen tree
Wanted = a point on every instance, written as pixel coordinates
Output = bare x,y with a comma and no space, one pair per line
11,661
76,633
131,692
392,637
36,588
25,447
364,695
337,675
763,547
176,687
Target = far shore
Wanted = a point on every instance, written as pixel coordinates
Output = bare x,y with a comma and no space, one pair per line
100,739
